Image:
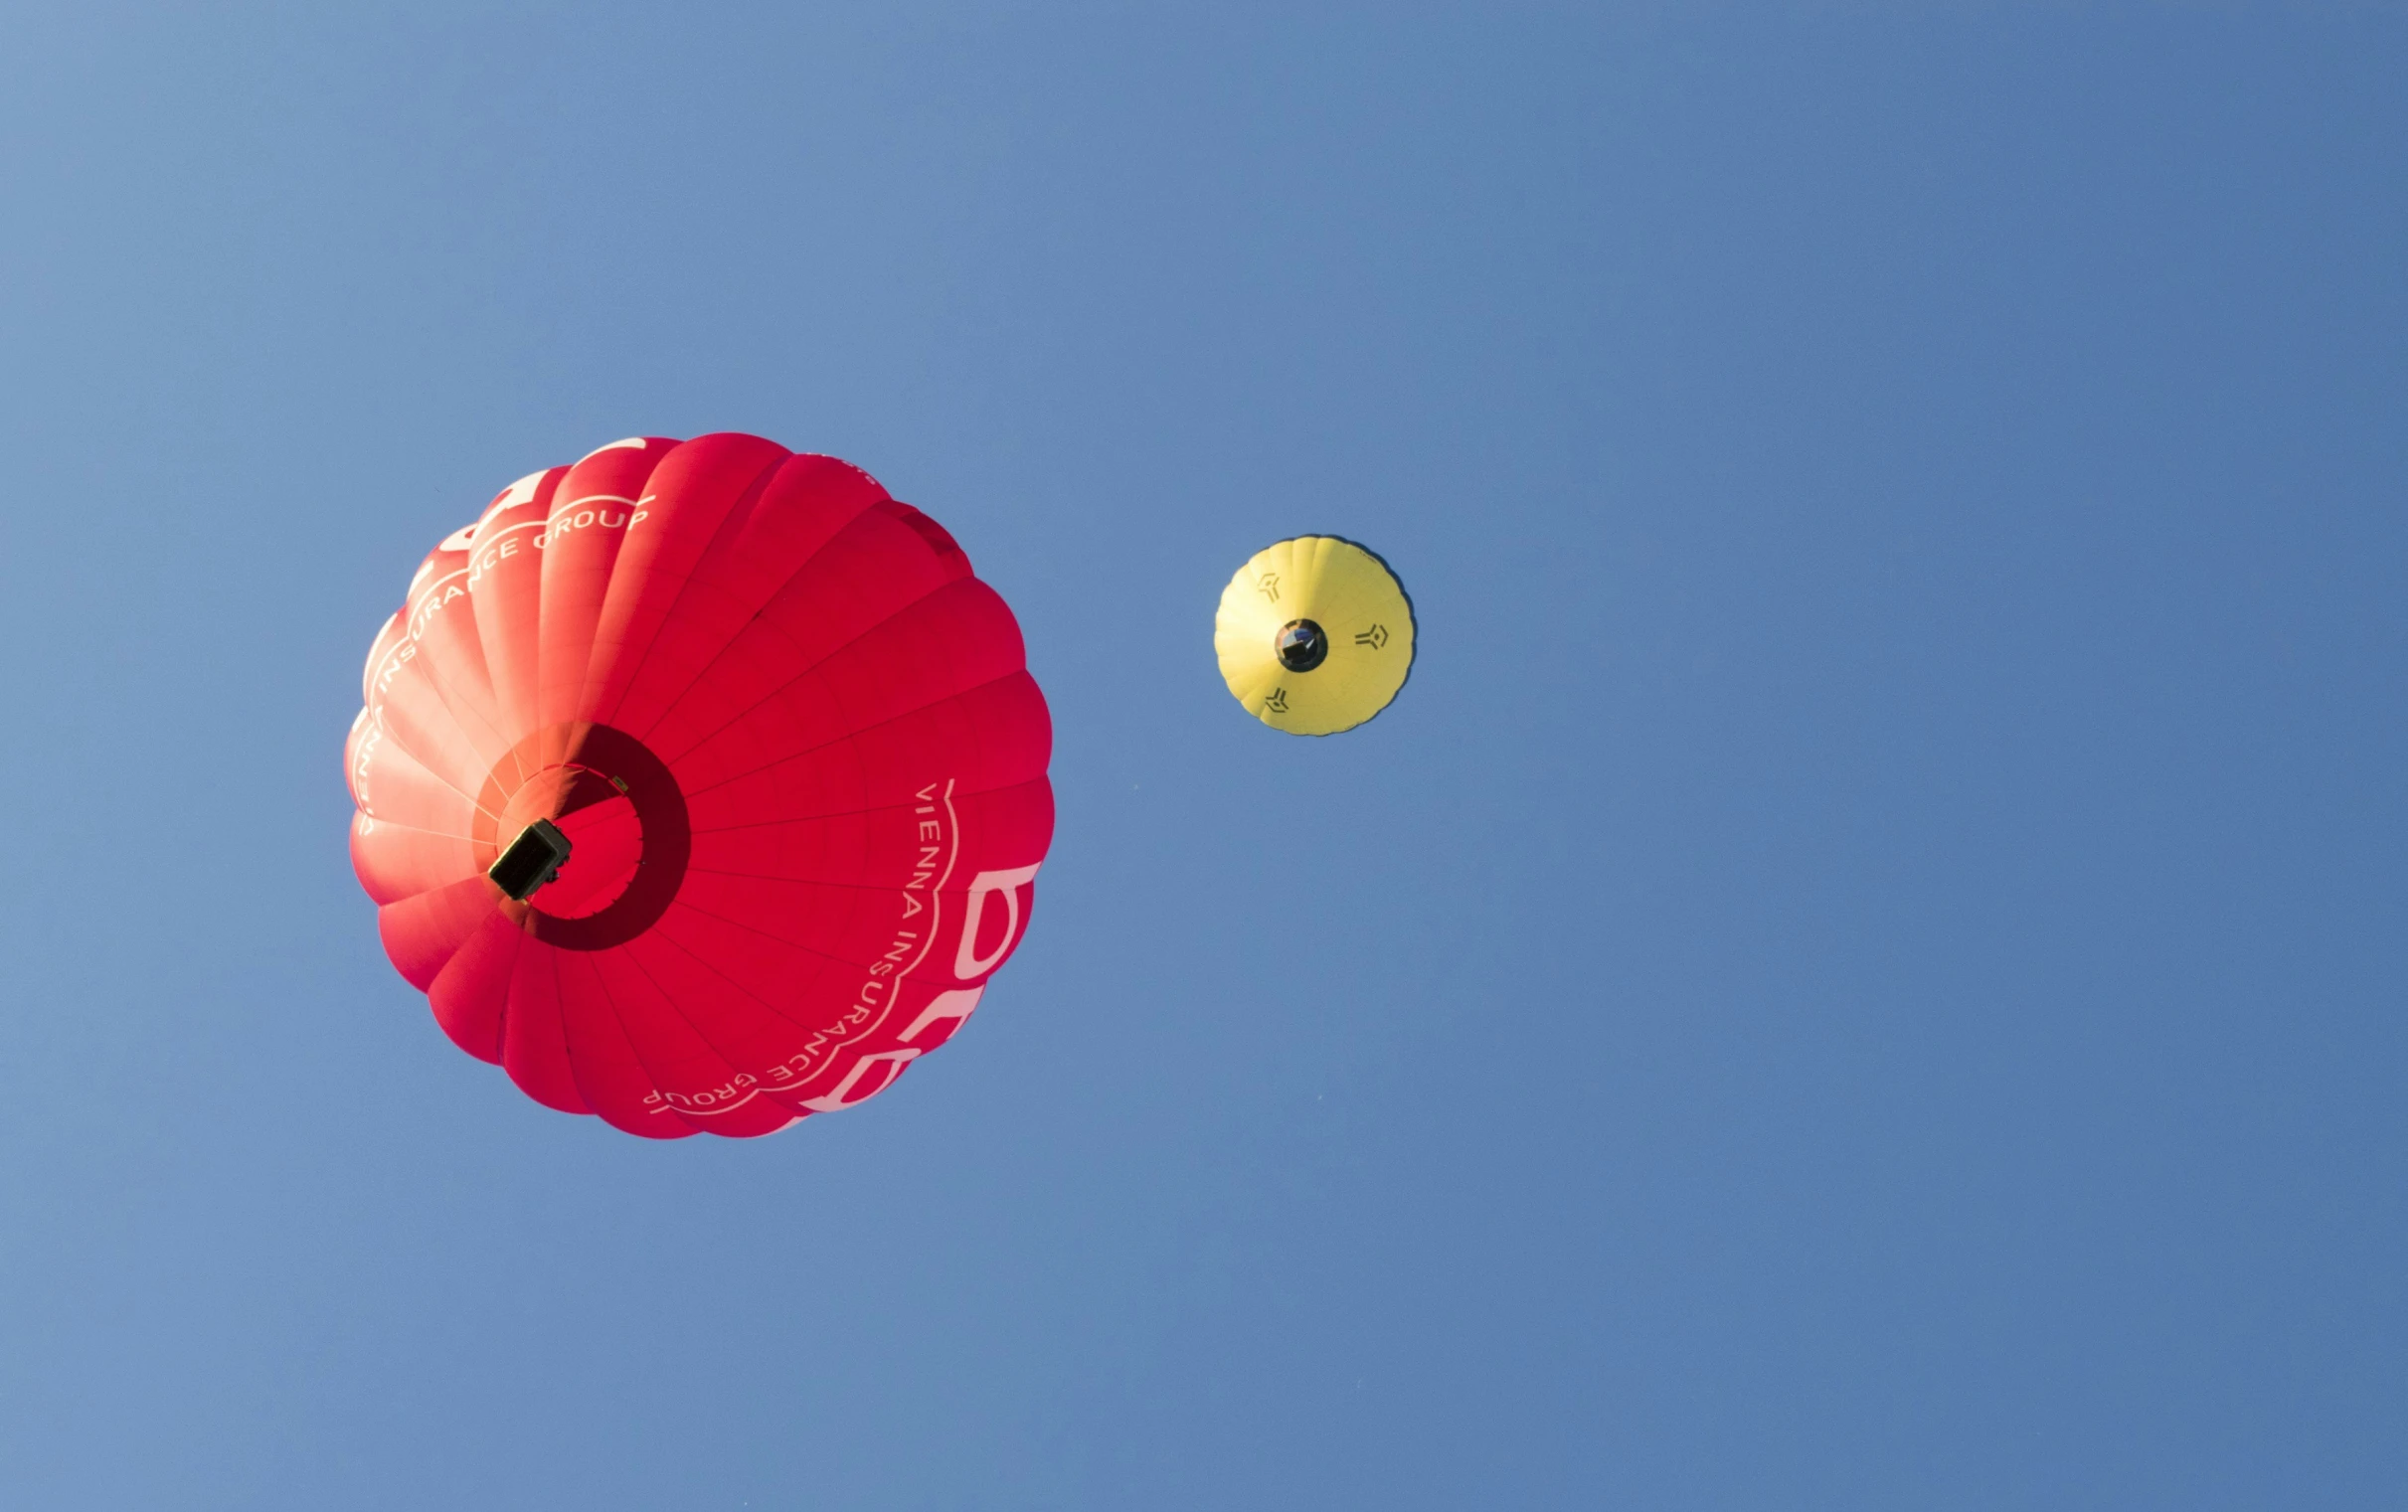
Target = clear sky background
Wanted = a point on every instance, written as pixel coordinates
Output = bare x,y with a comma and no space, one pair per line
1865,970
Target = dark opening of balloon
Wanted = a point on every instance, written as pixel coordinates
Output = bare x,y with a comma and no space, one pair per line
532,860
1302,647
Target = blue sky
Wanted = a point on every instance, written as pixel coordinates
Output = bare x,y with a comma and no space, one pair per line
1864,970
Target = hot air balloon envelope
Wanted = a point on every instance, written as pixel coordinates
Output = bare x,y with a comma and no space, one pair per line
1314,636
700,786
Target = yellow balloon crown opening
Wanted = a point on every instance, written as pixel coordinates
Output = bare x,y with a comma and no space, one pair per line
1314,636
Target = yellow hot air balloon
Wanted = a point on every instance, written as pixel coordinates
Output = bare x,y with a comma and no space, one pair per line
1314,636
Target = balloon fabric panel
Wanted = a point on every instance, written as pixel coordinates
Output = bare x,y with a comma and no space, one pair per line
791,743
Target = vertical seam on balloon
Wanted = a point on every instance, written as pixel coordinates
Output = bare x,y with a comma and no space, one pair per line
432,886
510,718
652,1075
739,511
828,745
417,638
501,1020
510,1013
739,988
387,732
376,715
453,708
824,658
792,944
542,639
610,581
699,1033
817,1033
523,720
894,990
618,1023
381,697
781,689
508,974
514,1015
568,1038
560,1018
444,686
418,829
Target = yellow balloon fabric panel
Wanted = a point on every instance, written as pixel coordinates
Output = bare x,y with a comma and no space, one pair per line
1314,636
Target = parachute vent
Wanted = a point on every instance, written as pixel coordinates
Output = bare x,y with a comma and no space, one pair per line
532,860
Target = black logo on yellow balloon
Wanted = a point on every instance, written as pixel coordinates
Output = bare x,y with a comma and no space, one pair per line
1268,586
1278,701
1375,637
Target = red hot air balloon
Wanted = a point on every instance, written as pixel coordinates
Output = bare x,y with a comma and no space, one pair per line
700,786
